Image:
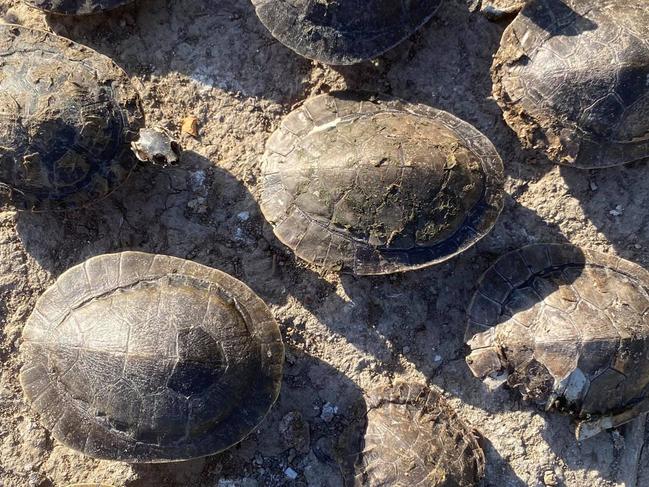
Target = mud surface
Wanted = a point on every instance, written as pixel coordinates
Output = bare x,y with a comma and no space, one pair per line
214,60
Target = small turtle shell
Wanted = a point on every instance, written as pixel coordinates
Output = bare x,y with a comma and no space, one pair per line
67,117
76,7
373,185
343,31
571,78
570,325
415,439
148,358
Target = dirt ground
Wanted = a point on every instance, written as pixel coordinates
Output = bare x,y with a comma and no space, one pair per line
212,59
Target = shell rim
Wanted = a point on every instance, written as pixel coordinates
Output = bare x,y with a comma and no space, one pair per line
591,256
278,361
497,191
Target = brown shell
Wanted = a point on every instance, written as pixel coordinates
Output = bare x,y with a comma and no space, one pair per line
343,32
570,326
147,358
67,117
415,439
373,185
570,76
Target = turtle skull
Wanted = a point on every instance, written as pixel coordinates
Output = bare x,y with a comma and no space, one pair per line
156,145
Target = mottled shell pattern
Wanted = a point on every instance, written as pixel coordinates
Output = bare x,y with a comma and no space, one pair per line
571,78
343,32
148,358
415,439
67,117
568,327
373,185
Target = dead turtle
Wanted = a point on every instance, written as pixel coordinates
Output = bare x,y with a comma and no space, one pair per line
414,438
148,358
343,31
571,78
374,185
76,7
567,327
68,116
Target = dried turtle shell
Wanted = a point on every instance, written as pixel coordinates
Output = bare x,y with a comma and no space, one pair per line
571,78
148,358
67,117
569,328
373,185
343,32
414,438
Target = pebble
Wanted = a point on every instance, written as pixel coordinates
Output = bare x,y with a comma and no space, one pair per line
295,432
549,478
290,473
617,211
328,412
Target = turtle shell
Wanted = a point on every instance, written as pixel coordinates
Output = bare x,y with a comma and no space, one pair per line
76,7
148,358
67,117
373,185
343,31
569,325
414,438
570,76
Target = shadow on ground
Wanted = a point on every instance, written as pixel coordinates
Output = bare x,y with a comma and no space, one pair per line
307,443
217,43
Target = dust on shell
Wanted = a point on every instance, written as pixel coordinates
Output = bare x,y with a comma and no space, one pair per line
336,33
414,437
569,326
375,185
564,94
148,358
54,156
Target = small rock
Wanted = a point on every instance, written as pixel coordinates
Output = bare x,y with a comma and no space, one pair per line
437,358
190,126
244,216
290,473
617,211
295,432
593,186
328,412
550,478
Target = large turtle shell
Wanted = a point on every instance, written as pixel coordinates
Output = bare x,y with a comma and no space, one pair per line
571,77
374,185
76,7
571,326
414,438
67,117
147,358
343,31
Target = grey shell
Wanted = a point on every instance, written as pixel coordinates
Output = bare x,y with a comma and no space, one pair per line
76,7
343,32
373,185
571,325
415,439
148,358
571,76
67,117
